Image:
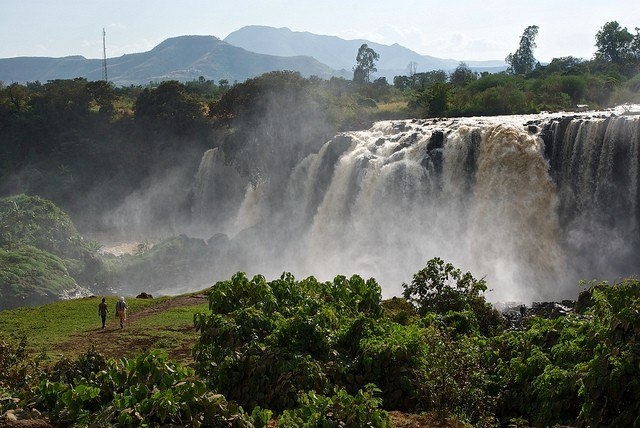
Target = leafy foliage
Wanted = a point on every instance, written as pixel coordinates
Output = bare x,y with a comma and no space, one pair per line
441,288
454,379
338,410
31,220
576,368
41,251
169,105
619,47
611,383
333,354
16,369
523,61
264,341
146,391
31,276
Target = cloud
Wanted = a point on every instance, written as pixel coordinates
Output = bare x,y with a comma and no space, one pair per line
442,45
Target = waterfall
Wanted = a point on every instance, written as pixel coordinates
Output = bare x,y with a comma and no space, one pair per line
513,223
531,203
218,192
491,209
594,163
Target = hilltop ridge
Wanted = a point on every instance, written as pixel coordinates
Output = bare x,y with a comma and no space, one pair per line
248,52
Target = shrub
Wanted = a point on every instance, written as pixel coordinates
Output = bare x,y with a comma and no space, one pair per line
149,390
453,378
338,410
265,341
441,288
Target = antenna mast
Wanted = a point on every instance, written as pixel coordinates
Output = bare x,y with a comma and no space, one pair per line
104,56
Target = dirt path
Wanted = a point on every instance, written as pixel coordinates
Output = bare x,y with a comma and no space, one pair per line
133,338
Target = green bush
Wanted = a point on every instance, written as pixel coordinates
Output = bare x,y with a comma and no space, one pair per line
453,378
611,383
30,276
41,251
265,341
338,410
581,368
17,367
389,357
31,220
441,288
149,390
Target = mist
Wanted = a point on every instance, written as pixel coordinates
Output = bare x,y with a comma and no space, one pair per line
512,199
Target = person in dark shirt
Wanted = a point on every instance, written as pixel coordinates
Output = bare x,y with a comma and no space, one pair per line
102,311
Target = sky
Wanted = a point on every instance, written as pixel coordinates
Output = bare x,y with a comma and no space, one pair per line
458,29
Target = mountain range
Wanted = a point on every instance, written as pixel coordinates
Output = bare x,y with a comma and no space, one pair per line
245,53
340,54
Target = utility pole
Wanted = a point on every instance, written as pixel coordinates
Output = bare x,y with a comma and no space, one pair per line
104,56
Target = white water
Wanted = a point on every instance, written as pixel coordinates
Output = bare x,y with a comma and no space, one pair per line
491,206
387,210
532,203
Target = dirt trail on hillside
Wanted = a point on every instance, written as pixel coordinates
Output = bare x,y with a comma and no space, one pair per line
133,338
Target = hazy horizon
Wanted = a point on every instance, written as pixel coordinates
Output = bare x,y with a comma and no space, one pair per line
460,30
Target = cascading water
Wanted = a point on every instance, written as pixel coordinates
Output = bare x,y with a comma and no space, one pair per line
532,203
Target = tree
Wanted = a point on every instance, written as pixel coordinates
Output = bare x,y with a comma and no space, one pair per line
441,288
169,104
462,75
365,64
430,78
567,65
618,46
523,61
18,96
103,95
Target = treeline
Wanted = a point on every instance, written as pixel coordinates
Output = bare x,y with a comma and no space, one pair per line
565,84
611,77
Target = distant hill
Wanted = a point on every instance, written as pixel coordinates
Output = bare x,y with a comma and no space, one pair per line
248,52
181,58
340,54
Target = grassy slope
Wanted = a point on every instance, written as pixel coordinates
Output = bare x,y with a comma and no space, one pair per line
69,328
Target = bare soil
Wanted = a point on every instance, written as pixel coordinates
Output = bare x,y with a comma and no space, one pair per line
114,342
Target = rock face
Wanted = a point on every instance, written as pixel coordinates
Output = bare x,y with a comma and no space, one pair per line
24,419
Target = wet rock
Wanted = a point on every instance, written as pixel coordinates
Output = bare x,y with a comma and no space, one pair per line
144,295
436,141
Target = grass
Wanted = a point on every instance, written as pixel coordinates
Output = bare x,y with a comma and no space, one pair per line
69,328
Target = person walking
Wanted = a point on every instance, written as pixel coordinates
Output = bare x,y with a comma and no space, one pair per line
102,311
121,311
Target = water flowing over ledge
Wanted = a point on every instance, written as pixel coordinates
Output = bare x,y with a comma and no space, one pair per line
534,203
